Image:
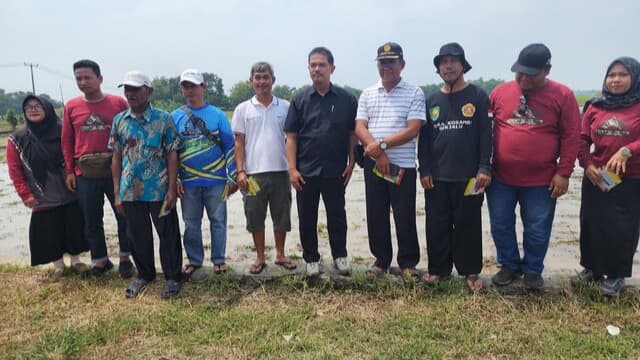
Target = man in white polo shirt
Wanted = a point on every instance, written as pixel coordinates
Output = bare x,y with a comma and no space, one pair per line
258,124
390,114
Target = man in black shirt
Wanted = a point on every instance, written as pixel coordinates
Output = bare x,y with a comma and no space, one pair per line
320,151
455,145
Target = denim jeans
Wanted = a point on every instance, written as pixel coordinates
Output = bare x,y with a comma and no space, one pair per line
194,200
537,209
90,193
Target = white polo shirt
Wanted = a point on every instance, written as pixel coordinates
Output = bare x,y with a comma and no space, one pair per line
263,129
387,113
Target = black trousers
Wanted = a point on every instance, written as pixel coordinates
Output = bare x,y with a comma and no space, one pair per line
609,228
454,229
382,195
332,191
140,215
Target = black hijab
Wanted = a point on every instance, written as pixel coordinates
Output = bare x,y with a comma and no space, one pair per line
631,97
39,142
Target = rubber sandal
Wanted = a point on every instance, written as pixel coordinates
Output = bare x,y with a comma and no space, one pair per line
171,289
375,271
431,279
256,269
287,264
474,283
410,274
220,268
188,270
136,286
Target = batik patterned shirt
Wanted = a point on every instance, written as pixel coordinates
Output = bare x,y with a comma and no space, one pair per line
144,144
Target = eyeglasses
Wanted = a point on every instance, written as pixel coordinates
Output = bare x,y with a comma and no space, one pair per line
33,108
522,109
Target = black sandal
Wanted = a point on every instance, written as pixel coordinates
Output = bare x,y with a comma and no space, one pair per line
135,288
171,289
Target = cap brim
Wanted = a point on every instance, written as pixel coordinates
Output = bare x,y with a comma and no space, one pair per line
388,57
195,82
132,83
527,70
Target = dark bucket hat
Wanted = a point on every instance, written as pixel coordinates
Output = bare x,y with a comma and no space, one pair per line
452,49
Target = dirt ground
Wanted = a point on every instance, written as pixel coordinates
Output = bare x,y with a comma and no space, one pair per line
562,257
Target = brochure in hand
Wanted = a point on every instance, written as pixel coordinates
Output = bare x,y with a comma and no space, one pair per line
396,173
609,179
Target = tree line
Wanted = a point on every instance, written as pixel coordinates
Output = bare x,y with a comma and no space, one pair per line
167,95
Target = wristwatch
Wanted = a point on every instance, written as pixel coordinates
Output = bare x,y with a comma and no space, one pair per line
383,145
625,152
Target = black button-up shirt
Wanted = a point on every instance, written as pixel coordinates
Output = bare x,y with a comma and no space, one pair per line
323,125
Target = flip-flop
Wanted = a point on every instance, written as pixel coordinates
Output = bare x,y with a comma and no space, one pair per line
256,269
410,274
135,288
375,271
474,283
431,279
188,270
220,268
287,264
171,289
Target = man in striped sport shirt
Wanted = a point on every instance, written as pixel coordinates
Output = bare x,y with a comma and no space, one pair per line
390,114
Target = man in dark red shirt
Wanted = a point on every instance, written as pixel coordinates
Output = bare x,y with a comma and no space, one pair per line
85,131
536,137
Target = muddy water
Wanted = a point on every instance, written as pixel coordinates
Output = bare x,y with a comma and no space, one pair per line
563,255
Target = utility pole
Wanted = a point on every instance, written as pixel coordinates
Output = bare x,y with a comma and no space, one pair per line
33,84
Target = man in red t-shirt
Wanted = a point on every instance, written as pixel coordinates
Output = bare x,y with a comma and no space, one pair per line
85,130
536,138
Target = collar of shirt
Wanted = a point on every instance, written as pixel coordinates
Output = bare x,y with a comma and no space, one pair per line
312,91
399,85
274,101
146,115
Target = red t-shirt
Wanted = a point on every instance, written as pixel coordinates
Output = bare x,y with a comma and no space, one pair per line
16,172
527,144
609,130
86,127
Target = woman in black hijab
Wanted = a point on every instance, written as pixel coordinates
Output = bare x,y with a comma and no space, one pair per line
610,208
36,167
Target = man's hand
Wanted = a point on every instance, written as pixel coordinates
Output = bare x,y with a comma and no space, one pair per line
31,202
232,189
373,150
617,163
242,181
427,182
482,181
594,176
558,186
382,162
346,174
118,204
179,189
71,182
171,199
297,181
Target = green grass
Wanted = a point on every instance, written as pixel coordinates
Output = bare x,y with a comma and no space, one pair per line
291,317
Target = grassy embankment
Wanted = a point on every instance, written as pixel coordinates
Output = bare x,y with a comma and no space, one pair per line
292,318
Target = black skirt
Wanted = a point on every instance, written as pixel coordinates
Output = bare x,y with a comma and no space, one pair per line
56,231
609,228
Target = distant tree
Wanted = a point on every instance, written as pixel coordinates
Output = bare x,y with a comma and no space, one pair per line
166,91
284,91
353,91
240,92
11,118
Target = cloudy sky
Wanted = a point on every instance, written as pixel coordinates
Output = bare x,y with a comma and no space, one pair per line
162,38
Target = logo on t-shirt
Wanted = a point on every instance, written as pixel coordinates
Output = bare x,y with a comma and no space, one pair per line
524,116
434,113
94,123
468,110
612,127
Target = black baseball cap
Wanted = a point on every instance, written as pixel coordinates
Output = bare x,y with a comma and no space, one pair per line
389,51
532,59
452,49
